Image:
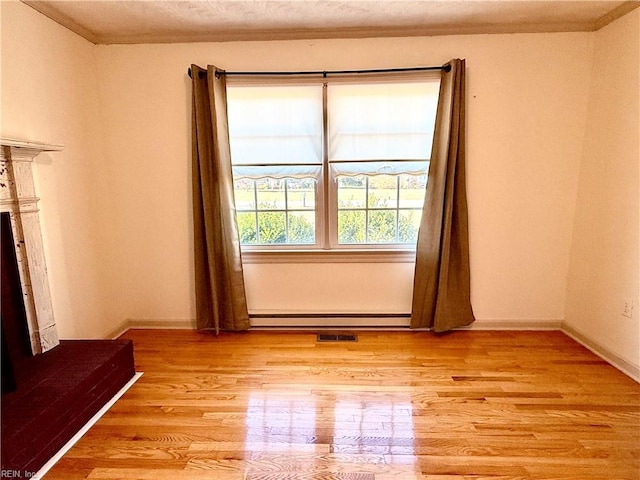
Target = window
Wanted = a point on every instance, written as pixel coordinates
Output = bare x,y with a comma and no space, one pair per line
333,165
276,211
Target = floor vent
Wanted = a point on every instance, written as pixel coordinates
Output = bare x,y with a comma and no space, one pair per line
328,337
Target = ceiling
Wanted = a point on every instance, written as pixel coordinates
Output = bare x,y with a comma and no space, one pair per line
174,21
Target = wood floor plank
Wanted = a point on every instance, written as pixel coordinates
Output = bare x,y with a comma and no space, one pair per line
392,406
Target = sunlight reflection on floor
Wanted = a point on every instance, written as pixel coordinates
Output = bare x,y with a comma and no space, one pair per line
337,432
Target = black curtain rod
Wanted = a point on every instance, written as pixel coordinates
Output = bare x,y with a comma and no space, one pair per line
325,73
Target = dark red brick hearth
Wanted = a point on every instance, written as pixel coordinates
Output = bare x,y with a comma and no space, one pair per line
57,393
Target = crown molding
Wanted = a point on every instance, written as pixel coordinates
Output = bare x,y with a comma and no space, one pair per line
46,9
615,14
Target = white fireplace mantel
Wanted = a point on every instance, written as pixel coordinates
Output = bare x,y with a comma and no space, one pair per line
18,198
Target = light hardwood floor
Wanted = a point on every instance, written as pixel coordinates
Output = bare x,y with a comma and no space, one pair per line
280,406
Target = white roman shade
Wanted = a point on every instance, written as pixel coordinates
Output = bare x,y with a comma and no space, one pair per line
275,131
381,128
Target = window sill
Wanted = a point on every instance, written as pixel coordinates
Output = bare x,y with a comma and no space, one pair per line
328,256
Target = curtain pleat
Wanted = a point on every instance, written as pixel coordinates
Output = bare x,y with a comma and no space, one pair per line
441,291
219,280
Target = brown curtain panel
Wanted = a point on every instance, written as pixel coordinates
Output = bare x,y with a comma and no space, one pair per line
219,280
441,289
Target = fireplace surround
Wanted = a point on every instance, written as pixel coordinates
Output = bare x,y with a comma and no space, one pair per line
18,198
56,386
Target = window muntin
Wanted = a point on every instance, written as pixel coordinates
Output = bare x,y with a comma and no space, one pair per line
274,211
340,168
380,209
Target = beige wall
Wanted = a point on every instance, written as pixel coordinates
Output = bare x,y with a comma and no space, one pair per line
50,95
527,108
605,260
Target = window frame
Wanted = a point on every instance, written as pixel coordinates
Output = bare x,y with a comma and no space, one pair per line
326,247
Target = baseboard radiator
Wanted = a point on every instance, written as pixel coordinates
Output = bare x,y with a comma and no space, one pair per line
341,320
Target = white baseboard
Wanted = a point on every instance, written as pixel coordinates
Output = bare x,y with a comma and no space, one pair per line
606,354
189,324
155,324
118,331
301,322
514,325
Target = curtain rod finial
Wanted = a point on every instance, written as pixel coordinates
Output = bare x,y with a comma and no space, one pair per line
201,73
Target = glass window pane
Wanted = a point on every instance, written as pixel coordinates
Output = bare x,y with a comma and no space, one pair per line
295,225
382,226
352,226
302,227
408,225
247,228
412,188
382,121
275,124
271,194
352,192
243,191
272,227
301,194
383,191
